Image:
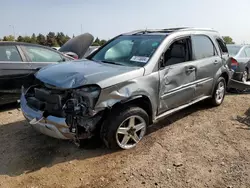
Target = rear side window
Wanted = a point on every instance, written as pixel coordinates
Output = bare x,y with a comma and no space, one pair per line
9,53
38,54
222,45
233,49
243,54
247,51
202,47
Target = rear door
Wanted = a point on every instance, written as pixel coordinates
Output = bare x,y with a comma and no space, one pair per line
208,63
14,70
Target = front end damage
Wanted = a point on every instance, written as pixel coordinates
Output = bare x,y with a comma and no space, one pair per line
62,113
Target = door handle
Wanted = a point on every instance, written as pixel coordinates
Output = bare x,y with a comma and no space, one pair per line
190,69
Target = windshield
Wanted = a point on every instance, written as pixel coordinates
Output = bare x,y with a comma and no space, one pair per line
233,49
133,50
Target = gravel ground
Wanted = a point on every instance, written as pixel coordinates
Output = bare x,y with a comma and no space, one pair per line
197,147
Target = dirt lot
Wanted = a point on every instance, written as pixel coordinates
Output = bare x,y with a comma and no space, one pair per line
197,147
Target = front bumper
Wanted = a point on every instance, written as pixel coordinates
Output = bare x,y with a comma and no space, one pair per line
51,126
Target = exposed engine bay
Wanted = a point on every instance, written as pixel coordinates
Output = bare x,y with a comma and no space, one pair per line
75,105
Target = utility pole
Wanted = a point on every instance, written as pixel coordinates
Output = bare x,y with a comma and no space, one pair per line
81,28
13,28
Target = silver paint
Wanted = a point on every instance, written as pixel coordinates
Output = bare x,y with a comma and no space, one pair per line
168,90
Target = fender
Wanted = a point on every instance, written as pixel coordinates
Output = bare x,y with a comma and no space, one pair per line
219,73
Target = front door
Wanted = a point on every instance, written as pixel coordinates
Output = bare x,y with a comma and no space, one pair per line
14,72
177,76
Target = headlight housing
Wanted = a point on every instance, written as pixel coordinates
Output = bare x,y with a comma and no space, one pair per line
85,98
91,90
82,100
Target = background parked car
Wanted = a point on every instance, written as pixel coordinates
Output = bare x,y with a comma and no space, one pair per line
91,50
55,48
19,62
240,61
71,54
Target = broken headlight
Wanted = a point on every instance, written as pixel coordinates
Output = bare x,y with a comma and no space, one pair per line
82,100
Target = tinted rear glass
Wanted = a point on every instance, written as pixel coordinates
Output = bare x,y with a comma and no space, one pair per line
233,49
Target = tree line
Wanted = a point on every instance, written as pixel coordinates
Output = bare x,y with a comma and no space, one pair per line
228,40
52,39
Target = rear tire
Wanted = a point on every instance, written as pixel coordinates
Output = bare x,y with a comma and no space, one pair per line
219,92
125,129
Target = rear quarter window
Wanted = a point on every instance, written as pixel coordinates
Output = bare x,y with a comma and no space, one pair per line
222,46
9,53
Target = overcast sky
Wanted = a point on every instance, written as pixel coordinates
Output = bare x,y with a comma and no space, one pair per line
107,18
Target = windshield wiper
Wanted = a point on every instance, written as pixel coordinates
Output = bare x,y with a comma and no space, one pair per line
111,62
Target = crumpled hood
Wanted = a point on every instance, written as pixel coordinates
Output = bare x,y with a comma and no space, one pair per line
84,72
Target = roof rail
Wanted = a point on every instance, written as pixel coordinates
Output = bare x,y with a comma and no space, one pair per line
175,29
199,29
168,30
135,32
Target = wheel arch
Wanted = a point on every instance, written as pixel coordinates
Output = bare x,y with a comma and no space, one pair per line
141,101
225,76
219,74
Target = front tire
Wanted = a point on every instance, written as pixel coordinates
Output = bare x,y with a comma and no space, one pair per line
125,129
219,92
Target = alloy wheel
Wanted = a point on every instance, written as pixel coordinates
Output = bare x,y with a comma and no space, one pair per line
130,132
220,92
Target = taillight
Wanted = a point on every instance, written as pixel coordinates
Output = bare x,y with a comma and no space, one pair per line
234,63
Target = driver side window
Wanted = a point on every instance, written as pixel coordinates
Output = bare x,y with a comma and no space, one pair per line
178,52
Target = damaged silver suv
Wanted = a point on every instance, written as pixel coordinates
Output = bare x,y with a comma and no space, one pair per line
133,81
